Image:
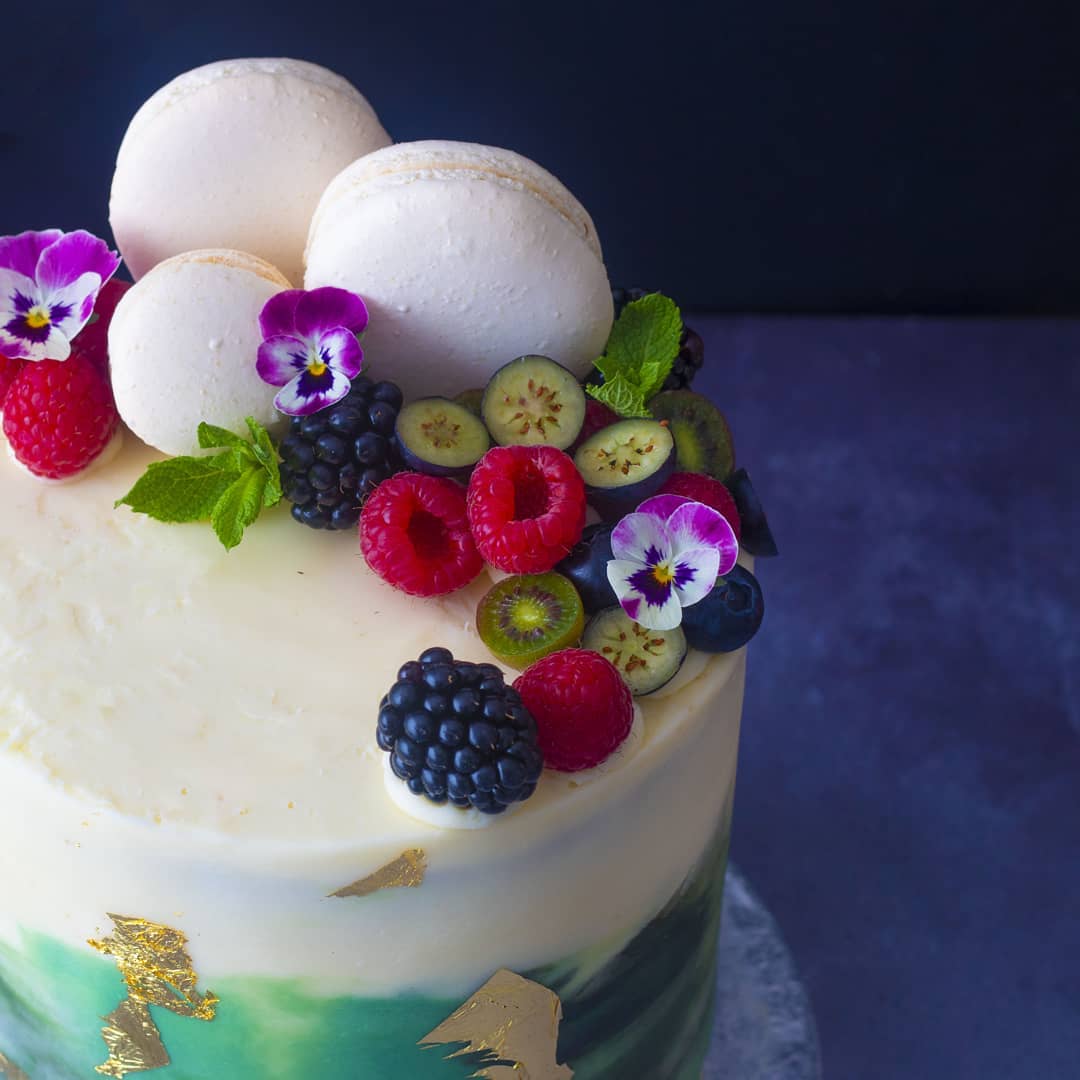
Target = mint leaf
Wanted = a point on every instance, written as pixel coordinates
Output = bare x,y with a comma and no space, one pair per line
621,395
210,436
640,353
183,488
647,330
229,488
263,449
238,506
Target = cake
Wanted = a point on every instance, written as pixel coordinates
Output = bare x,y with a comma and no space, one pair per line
224,857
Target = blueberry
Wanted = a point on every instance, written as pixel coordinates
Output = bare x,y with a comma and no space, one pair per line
728,617
757,537
586,567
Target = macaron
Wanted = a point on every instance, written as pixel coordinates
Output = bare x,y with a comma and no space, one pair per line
183,344
467,257
235,155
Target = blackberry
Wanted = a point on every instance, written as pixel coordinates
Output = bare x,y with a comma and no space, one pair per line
333,459
687,364
456,733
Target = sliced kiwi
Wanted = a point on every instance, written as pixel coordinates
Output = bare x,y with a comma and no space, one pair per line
471,399
525,617
440,437
625,463
646,659
532,401
702,436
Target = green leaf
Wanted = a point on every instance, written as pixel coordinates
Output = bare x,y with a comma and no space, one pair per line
211,436
263,448
648,330
239,506
183,488
621,395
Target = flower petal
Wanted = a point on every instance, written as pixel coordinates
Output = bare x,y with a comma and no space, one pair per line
695,525
642,538
281,358
340,350
662,506
70,258
54,346
70,308
642,597
21,253
278,316
307,393
329,307
695,574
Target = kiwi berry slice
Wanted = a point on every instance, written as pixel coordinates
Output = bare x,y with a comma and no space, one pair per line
532,401
527,616
625,463
702,436
646,659
471,399
440,437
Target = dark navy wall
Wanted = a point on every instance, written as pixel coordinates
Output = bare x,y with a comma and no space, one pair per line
780,156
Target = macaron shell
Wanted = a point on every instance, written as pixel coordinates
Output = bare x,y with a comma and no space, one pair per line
236,154
463,266
183,344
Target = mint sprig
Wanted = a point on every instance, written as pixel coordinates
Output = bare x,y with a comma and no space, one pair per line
229,489
639,355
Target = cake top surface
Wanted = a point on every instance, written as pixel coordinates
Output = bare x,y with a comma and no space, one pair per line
145,668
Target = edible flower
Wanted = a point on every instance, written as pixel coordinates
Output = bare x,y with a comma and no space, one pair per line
309,347
668,555
49,283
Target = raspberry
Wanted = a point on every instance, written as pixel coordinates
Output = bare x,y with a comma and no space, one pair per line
59,415
9,368
582,707
526,507
455,732
707,490
414,533
93,339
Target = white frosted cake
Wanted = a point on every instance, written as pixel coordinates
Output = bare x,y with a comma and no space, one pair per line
425,778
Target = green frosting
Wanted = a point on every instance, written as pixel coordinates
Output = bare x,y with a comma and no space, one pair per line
645,1010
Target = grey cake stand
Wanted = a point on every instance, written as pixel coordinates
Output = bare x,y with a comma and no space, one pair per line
764,1025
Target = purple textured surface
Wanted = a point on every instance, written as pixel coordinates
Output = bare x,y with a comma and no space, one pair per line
909,782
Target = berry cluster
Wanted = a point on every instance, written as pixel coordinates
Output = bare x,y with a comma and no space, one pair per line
334,459
456,733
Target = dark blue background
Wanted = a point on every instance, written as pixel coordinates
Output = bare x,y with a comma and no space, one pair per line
909,790
849,155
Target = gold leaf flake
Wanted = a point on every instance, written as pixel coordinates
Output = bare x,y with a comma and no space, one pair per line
156,967
405,872
133,1040
515,1019
10,1071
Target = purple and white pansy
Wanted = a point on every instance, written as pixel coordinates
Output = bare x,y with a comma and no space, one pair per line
49,283
667,556
309,347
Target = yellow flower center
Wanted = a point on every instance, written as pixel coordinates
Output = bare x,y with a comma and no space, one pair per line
37,317
316,367
664,574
